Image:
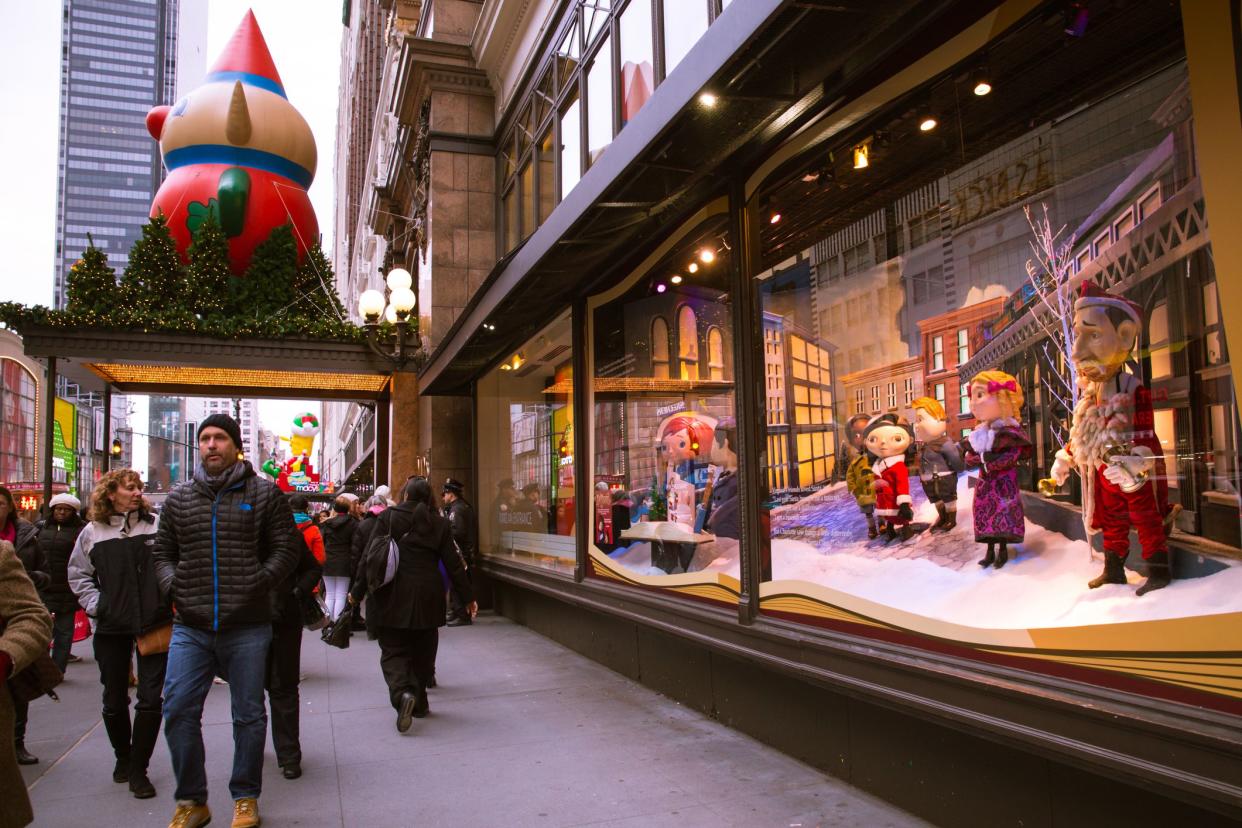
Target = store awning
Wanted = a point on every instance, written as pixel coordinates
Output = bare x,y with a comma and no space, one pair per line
767,62
152,363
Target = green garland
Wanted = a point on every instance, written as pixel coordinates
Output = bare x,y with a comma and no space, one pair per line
277,298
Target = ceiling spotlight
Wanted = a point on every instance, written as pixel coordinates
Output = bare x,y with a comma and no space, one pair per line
693,267
981,81
771,211
675,278
661,287
708,100
862,154
707,255
928,121
488,326
810,176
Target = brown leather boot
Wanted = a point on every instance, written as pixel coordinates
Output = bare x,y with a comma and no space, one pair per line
1159,573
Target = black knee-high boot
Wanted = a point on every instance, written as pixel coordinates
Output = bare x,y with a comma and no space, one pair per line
119,734
989,557
146,733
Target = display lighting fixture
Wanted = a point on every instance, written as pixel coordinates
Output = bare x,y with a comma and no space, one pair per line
660,287
862,156
981,81
928,120
675,278
513,363
708,100
707,255
810,176
488,326
693,267
772,212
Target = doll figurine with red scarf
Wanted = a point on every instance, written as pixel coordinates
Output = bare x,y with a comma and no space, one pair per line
1113,444
889,441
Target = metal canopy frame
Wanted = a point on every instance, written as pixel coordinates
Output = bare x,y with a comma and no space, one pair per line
163,363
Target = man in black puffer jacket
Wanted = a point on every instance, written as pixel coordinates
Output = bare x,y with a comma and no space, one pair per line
226,539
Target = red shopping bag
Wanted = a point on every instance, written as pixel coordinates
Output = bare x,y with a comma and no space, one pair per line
81,627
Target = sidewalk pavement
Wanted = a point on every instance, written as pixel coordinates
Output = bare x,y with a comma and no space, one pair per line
522,732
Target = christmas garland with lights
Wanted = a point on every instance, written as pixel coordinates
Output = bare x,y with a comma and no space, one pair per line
277,298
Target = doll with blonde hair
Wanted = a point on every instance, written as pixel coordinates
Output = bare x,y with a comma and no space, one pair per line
996,447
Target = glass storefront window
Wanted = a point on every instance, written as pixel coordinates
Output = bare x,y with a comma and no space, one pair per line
599,103
1048,298
547,176
525,451
511,211
664,432
637,61
17,422
684,23
571,147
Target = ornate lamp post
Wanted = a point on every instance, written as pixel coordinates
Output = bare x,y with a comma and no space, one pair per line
396,310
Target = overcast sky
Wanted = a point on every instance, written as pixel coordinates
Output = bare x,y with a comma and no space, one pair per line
304,37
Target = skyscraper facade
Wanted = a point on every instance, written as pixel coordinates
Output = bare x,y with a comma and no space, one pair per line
118,59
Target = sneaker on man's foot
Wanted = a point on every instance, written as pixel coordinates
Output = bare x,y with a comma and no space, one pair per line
190,814
246,813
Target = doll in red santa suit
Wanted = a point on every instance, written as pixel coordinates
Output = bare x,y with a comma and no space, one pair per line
889,441
1113,444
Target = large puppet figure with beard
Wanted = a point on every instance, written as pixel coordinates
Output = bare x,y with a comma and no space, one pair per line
1113,444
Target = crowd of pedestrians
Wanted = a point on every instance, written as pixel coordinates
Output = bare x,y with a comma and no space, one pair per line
217,587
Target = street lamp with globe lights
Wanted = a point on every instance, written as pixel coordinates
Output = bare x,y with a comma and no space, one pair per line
395,310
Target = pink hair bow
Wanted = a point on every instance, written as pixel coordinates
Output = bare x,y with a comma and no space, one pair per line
1007,385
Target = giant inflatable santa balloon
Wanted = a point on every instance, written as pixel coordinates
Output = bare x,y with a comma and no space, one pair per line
237,148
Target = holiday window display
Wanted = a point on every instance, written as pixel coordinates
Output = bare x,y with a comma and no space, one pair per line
1113,444
939,461
297,474
996,447
889,441
859,478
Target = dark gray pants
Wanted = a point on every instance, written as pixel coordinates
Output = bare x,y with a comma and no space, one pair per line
284,661
408,660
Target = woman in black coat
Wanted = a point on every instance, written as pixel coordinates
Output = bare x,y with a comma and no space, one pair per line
338,540
408,611
57,535
25,539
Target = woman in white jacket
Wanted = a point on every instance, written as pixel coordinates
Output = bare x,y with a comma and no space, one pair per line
110,571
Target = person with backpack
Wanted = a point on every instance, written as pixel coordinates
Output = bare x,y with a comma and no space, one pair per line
284,657
371,510
408,610
338,537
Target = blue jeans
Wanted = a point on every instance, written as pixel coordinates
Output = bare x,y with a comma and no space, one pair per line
195,657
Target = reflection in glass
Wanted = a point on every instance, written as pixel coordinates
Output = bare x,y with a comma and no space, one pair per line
1041,410
637,61
571,148
526,460
527,177
664,431
599,104
684,23
547,176
511,210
